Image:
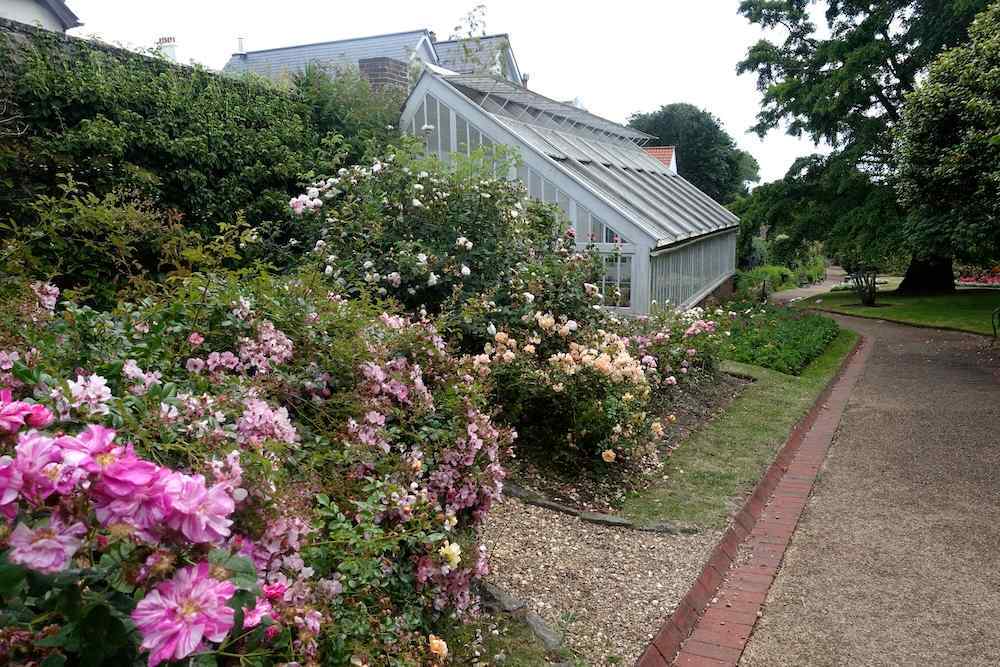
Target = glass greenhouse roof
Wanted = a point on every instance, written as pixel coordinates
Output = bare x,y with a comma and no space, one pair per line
604,156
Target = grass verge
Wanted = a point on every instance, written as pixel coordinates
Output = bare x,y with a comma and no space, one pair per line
965,309
710,473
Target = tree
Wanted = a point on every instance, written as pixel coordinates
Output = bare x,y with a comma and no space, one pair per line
849,88
708,156
343,102
949,174
827,199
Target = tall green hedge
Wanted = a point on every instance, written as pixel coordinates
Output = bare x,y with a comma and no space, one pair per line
185,138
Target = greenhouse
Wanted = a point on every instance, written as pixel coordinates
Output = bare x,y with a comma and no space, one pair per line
663,240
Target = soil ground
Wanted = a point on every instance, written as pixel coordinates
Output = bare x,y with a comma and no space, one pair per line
895,559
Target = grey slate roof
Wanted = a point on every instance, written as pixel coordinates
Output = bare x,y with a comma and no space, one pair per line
605,157
347,52
64,13
469,55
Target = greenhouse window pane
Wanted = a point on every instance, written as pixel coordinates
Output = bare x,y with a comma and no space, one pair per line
474,138
563,201
597,230
522,174
549,192
582,224
433,140
418,121
462,134
444,115
535,188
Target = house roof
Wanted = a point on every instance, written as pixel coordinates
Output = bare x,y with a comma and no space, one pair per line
603,156
345,52
463,55
63,13
664,154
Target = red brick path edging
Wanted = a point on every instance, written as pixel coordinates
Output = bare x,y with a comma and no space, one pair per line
713,622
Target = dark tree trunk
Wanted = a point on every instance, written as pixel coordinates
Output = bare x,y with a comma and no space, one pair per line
928,275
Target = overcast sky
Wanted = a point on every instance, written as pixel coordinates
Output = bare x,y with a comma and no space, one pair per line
617,58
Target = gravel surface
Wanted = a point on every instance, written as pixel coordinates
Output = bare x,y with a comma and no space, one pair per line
895,559
609,589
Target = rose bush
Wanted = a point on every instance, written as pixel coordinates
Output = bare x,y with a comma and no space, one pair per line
242,469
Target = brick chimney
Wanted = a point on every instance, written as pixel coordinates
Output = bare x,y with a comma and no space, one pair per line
167,46
384,72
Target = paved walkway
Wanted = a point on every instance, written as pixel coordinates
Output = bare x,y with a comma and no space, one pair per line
896,559
834,276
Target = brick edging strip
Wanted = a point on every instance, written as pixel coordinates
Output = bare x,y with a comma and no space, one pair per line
723,642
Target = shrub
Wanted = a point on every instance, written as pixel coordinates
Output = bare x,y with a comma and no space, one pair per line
343,102
182,138
772,278
304,469
438,238
95,247
578,393
776,337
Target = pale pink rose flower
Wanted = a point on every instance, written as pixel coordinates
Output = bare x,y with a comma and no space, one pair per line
195,339
201,513
48,548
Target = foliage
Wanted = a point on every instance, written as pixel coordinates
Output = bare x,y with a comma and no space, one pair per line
848,88
456,240
708,156
949,177
776,337
320,463
826,200
575,393
98,248
721,462
182,138
765,279
343,102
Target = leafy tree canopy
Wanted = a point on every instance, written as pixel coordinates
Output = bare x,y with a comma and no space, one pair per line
707,155
949,172
848,87
828,199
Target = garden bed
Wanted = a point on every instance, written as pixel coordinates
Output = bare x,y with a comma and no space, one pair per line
600,488
608,588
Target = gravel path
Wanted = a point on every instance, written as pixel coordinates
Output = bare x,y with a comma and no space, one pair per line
608,588
895,561
834,276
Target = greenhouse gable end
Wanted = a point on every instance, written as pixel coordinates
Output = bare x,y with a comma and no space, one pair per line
663,240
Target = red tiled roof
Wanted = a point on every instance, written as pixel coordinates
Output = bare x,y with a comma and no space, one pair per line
664,154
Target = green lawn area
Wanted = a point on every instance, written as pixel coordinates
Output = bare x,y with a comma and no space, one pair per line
966,309
710,473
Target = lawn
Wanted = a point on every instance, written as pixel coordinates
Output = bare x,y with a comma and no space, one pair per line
966,309
709,475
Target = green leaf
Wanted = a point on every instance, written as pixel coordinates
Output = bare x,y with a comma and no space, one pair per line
66,638
11,577
241,570
54,660
102,636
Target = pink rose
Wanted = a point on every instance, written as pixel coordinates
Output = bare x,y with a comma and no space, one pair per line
48,548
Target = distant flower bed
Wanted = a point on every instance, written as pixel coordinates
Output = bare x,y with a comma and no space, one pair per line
776,337
985,278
